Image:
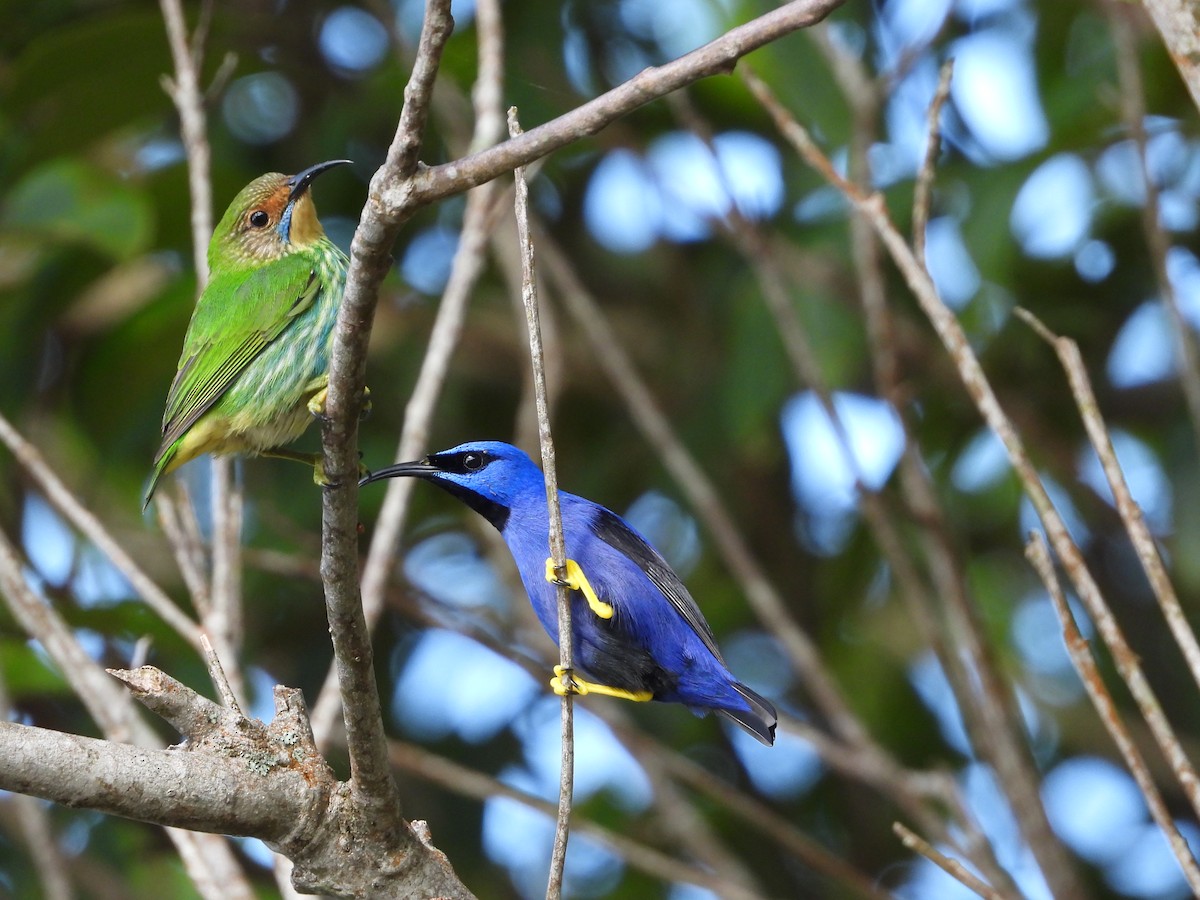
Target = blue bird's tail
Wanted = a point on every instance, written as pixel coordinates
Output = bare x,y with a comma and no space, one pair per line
759,720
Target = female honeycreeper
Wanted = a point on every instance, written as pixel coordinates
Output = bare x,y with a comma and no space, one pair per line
636,629
256,356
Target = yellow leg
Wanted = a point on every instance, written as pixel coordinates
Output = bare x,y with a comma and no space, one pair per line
316,460
316,403
564,682
311,459
577,581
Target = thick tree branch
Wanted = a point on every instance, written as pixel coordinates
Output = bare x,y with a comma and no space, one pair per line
199,791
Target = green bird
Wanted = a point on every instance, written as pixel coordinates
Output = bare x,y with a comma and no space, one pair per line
255,361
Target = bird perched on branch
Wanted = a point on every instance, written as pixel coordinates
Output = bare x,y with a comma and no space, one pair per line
636,629
255,359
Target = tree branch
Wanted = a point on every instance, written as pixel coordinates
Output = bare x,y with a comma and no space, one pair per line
714,58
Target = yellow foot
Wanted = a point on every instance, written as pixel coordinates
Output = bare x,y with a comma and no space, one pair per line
564,682
365,410
577,581
316,404
320,478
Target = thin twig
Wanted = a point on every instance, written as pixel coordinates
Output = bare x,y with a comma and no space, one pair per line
179,526
951,867
63,500
184,91
979,389
223,620
1129,510
986,700
1158,242
217,673
455,777
918,597
557,547
923,190
1081,657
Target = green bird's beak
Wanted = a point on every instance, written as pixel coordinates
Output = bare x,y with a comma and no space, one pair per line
301,180
420,468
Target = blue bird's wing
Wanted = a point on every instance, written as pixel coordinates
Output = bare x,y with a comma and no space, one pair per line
615,532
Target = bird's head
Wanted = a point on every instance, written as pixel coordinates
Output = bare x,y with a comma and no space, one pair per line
489,476
272,216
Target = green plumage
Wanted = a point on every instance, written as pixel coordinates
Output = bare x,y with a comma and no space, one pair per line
256,355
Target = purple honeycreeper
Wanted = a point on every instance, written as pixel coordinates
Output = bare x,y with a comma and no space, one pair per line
255,360
634,626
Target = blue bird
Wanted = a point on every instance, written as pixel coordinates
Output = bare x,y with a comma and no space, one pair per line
636,629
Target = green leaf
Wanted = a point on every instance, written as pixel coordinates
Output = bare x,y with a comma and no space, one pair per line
74,202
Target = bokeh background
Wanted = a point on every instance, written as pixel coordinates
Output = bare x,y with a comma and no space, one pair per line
1038,203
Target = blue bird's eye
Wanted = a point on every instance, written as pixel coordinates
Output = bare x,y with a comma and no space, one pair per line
472,461
259,218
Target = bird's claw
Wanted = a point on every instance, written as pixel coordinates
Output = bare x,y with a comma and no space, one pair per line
365,409
564,682
577,581
316,404
321,479
316,407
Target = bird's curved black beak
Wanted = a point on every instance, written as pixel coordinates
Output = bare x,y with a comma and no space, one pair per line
420,468
301,180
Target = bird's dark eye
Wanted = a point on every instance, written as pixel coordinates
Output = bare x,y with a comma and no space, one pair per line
472,461
259,218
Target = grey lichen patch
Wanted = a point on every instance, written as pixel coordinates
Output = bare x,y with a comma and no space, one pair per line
260,763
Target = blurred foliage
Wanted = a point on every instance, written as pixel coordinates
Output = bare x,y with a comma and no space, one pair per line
96,290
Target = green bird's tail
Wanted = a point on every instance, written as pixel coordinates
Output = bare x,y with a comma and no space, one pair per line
162,465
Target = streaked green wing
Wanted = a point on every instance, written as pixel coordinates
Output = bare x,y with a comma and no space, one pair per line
239,314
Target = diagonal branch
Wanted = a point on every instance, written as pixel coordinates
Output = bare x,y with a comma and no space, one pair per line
717,57
1089,673
971,373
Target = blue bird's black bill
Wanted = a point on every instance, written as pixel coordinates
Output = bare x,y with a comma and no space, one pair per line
416,469
301,180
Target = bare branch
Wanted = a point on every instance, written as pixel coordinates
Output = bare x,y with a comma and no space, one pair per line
717,57
184,91
199,791
951,867
1081,658
1158,242
223,619
470,783
557,548
478,219
62,499
1178,24
205,857
979,389
353,654
923,191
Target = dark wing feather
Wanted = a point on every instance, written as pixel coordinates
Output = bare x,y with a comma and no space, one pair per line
615,532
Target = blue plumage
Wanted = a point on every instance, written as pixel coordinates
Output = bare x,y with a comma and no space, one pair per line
642,636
